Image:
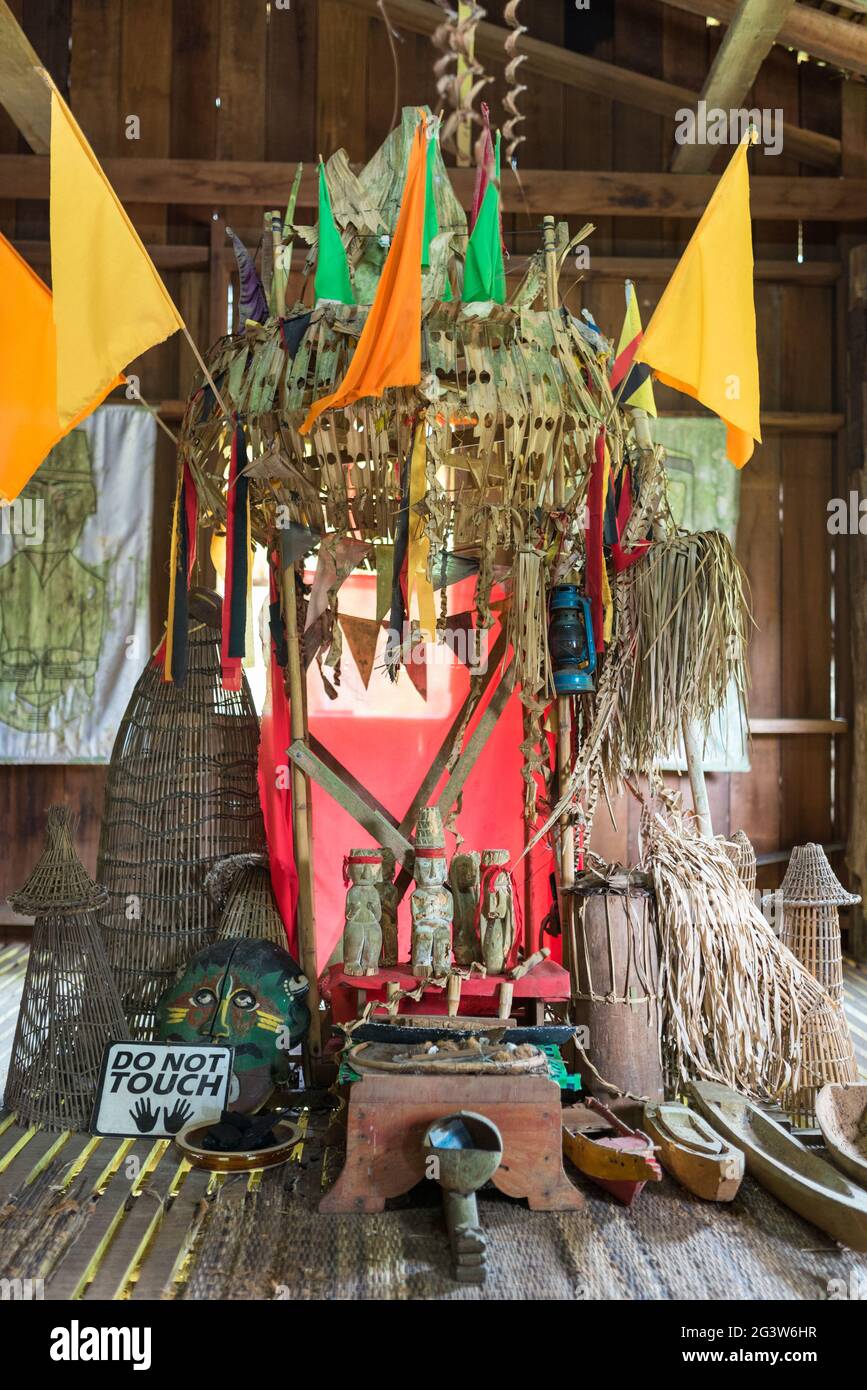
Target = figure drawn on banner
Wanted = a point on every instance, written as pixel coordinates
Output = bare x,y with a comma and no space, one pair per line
52,604
75,591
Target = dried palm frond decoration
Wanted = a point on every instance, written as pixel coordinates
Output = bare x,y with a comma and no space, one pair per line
739,1008
181,795
740,851
459,74
528,619
687,609
812,896
516,87
70,1007
240,888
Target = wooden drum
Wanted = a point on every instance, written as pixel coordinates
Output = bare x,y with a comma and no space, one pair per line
616,984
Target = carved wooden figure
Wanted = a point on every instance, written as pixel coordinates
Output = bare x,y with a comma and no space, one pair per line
387,890
464,882
497,916
431,904
362,933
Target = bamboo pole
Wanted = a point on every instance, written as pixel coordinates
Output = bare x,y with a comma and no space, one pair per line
691,739
300,820
566,846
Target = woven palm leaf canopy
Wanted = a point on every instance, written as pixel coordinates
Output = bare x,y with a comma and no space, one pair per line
517,410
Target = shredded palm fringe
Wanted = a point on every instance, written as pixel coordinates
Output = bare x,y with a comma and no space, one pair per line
738,1007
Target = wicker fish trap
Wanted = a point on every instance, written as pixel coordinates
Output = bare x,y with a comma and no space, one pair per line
70,1007
825,1055
181,795
743,856
812,895
240,888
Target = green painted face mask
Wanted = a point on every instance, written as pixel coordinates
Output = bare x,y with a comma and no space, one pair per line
245,994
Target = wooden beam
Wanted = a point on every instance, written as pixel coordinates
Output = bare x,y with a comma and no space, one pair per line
211,183
381,830
856,850
604,80
326,757
22,90
822,35
637,268
748,41
768,728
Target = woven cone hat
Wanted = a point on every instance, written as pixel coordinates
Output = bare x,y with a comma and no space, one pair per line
59,882
810,881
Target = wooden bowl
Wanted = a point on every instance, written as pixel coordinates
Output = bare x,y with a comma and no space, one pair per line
237,1160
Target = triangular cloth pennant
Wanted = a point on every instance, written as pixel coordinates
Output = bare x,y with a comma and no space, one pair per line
362,634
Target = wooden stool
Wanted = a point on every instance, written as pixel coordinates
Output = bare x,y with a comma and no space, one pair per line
388,1116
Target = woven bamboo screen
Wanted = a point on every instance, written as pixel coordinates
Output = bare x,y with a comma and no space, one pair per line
181,795
70,1007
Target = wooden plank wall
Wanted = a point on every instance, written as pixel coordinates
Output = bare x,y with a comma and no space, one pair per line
243,79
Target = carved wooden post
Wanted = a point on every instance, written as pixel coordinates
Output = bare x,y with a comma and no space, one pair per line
856,853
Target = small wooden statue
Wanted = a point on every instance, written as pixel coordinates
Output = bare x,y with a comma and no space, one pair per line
362,933
431,904
387,890
497,917
464,882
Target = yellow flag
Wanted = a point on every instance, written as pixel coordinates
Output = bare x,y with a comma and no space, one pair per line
419,545
702,337
110,305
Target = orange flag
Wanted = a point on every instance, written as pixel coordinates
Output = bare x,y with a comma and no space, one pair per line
29,424
389,349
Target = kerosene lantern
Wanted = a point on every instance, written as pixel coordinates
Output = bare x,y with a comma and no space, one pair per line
570,640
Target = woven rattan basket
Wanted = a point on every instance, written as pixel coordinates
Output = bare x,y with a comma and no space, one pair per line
181,795
240,888
70,1007
743,856
812,895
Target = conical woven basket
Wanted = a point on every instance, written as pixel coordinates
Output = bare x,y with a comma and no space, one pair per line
240,888
181,795
811,893
809,879
70,1007
743,856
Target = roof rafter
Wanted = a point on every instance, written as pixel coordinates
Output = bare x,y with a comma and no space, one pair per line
22,90
605,80
822,35
748,40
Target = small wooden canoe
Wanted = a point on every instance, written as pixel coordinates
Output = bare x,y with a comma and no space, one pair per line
798,1178
694,1153
841,1110
621,1162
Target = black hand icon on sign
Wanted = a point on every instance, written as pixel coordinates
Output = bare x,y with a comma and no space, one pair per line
145,1117
178,1116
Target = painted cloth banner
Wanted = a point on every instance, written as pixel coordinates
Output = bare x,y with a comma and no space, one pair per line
75,591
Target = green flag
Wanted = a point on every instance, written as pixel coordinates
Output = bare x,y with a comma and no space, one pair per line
484,272
332,269
431,221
